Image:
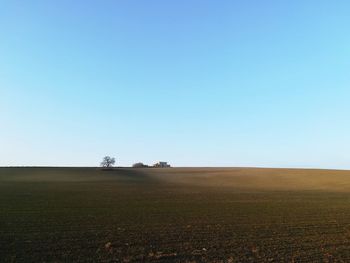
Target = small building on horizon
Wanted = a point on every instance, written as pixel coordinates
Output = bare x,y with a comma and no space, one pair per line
162,165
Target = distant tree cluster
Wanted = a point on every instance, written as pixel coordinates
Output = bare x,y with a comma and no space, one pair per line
139,165
108,162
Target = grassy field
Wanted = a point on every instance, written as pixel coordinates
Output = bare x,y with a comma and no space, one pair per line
174,215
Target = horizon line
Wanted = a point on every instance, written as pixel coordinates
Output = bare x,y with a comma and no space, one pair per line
179,167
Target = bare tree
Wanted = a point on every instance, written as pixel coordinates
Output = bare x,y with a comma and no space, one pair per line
108,162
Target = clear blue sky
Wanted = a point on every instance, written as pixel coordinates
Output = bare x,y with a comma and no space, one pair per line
192,82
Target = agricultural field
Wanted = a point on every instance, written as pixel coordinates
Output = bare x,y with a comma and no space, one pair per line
174,215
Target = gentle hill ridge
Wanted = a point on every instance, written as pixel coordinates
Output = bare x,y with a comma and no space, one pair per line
278,179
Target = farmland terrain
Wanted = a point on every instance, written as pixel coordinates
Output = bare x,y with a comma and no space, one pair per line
174,215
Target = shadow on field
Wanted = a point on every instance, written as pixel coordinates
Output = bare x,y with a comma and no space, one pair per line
130,174
74,174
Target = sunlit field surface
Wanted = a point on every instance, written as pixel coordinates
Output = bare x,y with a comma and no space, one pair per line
174,215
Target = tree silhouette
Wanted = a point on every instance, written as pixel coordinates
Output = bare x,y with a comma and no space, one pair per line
108,162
